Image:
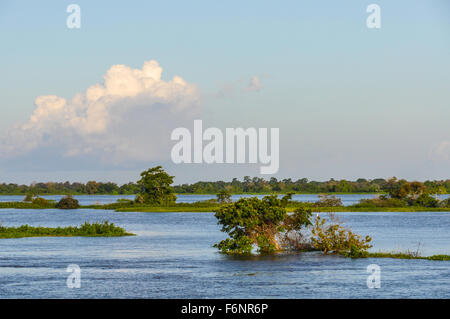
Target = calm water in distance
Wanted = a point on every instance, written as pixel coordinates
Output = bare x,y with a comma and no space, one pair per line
172,257
347,199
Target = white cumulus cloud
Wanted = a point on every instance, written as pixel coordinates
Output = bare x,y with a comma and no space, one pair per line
127,117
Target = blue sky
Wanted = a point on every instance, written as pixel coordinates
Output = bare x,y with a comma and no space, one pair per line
349,101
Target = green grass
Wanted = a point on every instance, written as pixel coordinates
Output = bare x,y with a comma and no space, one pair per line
209,206
27,205
203,206
105,229
407,255
171,209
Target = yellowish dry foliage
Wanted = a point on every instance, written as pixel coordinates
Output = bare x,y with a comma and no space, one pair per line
334,238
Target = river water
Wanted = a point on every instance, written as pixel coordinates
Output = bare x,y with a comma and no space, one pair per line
347,199
172,257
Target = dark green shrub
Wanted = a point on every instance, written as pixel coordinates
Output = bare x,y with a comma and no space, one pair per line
67,202
426,200
262,223
357,252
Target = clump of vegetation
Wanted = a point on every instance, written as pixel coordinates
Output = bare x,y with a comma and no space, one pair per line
326,200
445,203
36,200
67,202
381,201
413,193
334,238
405,255
224,196
426,200
39,201
438,257
26,205
105,229
265,225
292,236
402,193
155,188
28,198
259,223
34,203
402,189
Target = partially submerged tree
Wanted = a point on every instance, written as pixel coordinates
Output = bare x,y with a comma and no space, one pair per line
259,223
155,187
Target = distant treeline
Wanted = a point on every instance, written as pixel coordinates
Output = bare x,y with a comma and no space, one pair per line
52,188
248,185
260,185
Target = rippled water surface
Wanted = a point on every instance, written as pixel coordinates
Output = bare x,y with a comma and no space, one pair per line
172,257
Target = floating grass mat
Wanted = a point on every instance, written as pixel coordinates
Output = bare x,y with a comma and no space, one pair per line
104,229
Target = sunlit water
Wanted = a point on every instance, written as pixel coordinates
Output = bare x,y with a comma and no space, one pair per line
172,257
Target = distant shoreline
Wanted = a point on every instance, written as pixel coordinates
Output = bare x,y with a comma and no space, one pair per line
195,194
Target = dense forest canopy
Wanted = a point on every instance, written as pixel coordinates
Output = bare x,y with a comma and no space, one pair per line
247,185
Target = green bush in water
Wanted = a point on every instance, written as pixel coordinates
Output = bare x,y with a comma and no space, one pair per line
67,202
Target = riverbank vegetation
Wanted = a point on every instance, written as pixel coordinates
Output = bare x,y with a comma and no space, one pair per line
155,193
104,229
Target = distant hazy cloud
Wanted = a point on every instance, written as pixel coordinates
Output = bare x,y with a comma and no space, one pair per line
227,90
231,89
441,151
253,85
128,117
